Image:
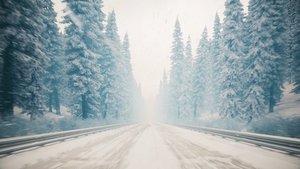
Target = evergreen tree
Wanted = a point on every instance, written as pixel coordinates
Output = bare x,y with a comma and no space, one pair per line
293,48
112,65
216,52
165,95
53,49
186,97
84,41
254,65
200,75
210,85
162,99
291,18
129,82
22,56
176,80
231,60
265,61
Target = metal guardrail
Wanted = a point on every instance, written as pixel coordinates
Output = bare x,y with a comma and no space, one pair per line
14,144
289,145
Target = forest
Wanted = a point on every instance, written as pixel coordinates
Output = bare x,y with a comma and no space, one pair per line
238,77
86,68
239,74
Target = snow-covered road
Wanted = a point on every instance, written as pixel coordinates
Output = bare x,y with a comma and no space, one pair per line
150,146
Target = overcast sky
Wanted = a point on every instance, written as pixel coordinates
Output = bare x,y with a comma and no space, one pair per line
150,25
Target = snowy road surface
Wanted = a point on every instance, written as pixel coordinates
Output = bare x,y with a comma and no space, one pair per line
150,146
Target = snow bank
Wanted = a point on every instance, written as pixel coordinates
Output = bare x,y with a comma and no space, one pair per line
289,105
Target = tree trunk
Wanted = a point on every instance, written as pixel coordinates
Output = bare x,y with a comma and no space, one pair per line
33,110
7,85
84,106
117,114
33,114
57,103
50,102
105,112
195,110
271,100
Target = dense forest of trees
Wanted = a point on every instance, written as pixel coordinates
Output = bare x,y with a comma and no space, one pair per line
87,68
240,72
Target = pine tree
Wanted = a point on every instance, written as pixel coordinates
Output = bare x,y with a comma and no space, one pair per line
112,65
293,35
53,49
216,52
265,61
200,75
84,41
162,99
210,83
22,56
186,97
254,65
176,80
129,82
165,94
231,58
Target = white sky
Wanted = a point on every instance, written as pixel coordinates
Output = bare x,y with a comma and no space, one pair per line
150,25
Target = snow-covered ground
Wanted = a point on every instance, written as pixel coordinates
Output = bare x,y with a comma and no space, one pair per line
150,146
63,110
288,107
290,103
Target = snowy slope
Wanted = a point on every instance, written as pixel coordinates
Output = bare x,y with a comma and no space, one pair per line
290,103
288,107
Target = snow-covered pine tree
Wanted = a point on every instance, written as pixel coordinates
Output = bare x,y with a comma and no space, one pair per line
84,41
231,57
253,65
162,99
293,35
53,49
186,97
176,80
291,22
112,64
210,85
215,52
200,75
23,57
165,95
129,81
265,64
